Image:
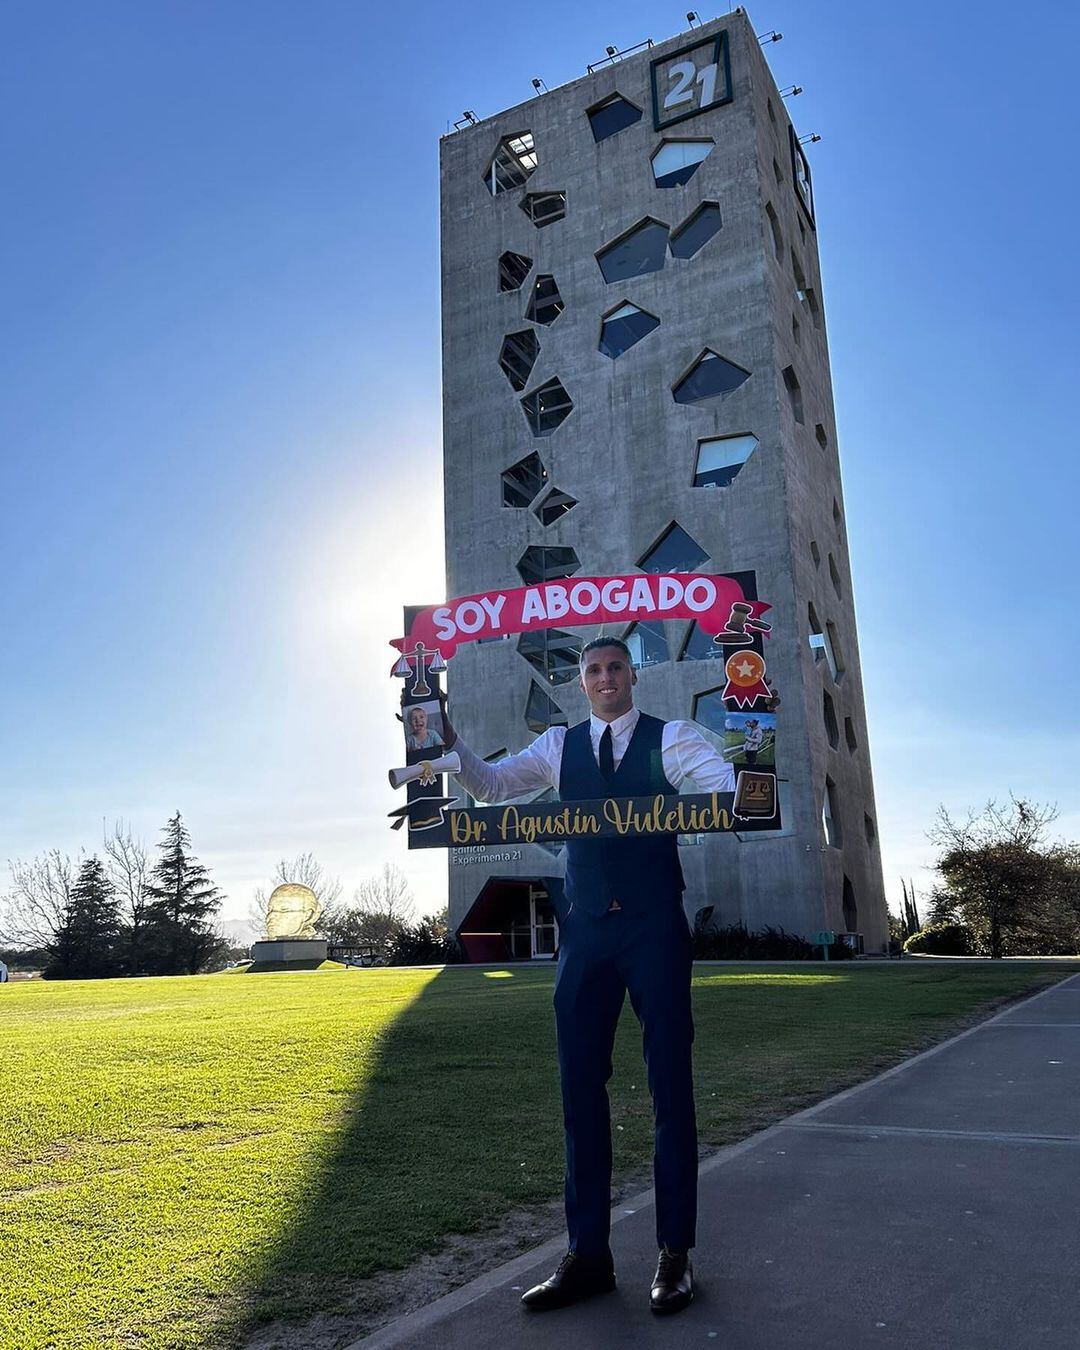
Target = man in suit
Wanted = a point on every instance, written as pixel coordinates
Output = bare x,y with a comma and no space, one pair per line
623,931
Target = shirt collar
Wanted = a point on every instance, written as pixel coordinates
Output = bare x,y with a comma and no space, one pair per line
621,725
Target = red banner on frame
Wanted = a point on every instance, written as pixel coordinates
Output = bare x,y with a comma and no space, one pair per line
717,603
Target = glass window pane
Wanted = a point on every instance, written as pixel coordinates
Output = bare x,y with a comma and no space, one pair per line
544,208
676,162
709,377
539,563
513,269
647,643
541,711
523,480
640,251
674,551
720,458
552,653
614,114
554,506
518,356
513,162
545,304
698,230
623,328
547,408
709,710
699,646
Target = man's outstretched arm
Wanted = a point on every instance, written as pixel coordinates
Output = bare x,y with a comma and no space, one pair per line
695,759
530,770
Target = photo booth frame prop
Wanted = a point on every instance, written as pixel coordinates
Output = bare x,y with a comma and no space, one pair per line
723,605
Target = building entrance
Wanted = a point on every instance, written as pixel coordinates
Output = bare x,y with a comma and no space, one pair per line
511,919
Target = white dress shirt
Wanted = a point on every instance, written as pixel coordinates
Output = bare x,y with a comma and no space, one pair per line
687,756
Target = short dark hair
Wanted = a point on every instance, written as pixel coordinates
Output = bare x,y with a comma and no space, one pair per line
605,642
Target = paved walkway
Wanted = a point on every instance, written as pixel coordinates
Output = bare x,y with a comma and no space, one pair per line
937,1205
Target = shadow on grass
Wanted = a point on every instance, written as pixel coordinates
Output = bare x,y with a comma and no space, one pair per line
428,1143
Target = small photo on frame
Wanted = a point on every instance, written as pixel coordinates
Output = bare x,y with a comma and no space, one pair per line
423,727
750,738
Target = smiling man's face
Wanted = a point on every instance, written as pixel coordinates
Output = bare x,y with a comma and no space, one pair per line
607,679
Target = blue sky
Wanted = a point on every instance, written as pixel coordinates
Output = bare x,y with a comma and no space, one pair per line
219,399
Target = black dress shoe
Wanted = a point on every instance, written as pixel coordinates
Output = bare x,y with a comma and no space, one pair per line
577,1277
673,1283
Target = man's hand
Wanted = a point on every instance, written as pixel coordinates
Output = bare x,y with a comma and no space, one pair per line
449,734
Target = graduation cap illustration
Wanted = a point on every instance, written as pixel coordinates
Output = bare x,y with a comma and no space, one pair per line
422,813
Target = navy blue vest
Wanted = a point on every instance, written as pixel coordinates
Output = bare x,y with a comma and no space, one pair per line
638,872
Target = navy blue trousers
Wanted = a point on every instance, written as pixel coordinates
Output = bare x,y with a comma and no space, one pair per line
600,961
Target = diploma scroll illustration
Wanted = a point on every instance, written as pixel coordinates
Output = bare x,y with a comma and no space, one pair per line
425,771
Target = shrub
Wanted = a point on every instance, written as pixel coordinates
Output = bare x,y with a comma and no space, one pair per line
425,943
942,939
736,943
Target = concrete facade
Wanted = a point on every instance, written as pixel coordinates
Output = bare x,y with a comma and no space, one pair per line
627,454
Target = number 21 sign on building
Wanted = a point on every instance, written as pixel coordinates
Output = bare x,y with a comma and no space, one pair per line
690,80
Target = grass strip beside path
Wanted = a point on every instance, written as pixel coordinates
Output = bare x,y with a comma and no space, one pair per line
182,1157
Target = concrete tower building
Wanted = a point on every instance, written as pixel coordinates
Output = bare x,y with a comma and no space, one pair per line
636,375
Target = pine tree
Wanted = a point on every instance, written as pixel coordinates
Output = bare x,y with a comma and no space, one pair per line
179,936
87,943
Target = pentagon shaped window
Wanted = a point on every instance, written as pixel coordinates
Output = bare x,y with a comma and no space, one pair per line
821,643
513,269
544,208
834,574
820,437
849,736
851,909
699,646
541,711
774,226
522,481
794,389
554,506
868,829
830,822
676,162
624,327
795,330
720,458
512,163
836,517
613,114
545,304
674,551
539,563
696,232
709,710
815,552
518,356
547,408
832,730
640,250
709,377
552,653
834,647
807,297
647,643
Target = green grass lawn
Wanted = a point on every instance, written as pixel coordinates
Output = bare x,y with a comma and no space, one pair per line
182,1157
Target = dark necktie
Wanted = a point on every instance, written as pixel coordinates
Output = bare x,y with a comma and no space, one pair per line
607,755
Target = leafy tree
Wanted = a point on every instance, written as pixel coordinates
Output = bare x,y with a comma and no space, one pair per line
87,944
1003,881
179,936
